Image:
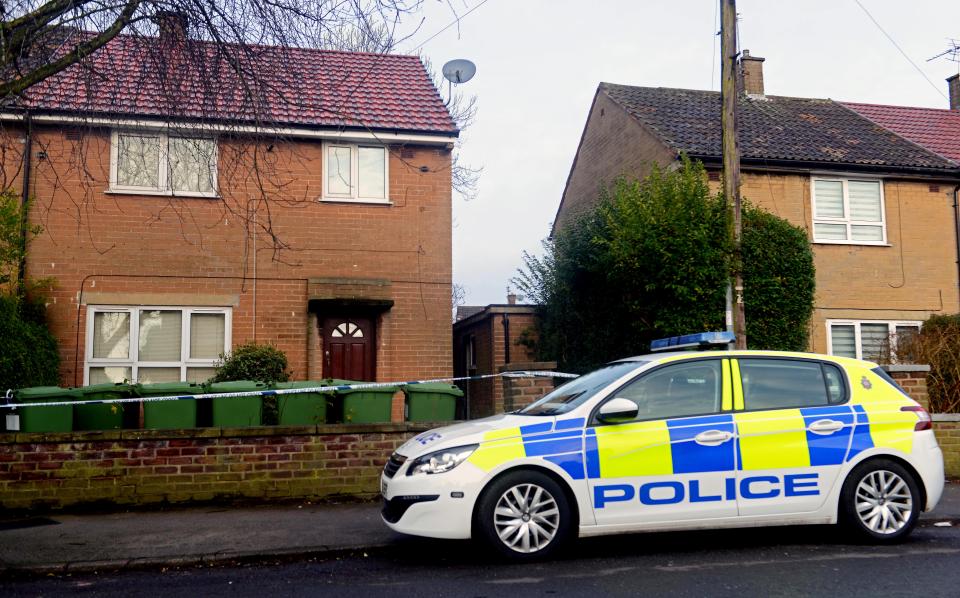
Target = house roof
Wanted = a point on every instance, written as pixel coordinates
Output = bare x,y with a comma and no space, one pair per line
824,133
194,80
935,129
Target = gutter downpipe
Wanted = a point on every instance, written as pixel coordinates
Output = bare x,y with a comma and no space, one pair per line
24,202
505,320
956,228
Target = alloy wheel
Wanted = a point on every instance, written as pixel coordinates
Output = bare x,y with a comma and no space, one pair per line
526,518
884,502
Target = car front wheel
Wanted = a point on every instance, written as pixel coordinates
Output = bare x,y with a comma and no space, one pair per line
881,501
524,515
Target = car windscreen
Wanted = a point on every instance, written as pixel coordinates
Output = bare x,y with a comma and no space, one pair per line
579,390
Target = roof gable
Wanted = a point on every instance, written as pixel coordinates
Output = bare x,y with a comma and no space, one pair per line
773,128
136,77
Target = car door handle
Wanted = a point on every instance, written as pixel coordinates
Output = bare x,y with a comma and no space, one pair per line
825,426
712,437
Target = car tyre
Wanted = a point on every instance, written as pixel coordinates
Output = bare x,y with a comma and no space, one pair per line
524,516
880,502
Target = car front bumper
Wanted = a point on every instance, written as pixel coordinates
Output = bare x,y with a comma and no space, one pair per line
435,506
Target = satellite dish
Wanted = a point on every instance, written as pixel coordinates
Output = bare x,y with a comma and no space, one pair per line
459,71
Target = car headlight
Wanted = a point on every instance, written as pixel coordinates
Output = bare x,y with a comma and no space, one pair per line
441,461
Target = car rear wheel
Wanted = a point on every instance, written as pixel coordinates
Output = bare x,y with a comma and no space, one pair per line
881,501
524,515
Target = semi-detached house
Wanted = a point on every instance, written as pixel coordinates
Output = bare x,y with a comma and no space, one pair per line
184,213
875,187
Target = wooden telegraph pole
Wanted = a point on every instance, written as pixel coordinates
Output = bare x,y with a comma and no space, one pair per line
731,160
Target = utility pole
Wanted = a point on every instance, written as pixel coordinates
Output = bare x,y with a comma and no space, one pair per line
731,162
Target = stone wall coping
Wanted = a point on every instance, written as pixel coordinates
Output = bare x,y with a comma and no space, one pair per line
945,417
198,433
906,367
528,365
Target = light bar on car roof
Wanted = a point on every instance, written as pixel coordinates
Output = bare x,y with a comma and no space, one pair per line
701,340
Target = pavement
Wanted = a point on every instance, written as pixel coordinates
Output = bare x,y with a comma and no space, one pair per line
63,543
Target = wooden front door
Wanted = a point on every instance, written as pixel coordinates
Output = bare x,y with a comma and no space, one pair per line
348,348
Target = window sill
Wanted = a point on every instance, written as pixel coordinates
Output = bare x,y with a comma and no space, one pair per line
370,202
178,195
859,243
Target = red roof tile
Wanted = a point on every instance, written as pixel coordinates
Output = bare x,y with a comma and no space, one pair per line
935,129
130,77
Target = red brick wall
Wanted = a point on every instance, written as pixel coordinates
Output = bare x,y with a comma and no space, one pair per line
520,392
142,467
99,247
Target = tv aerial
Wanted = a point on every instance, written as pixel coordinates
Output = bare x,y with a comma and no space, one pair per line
456,72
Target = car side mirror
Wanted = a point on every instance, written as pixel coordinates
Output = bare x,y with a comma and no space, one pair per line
617,411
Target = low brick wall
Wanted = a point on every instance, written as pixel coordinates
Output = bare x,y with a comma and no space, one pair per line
156,466
520,392
947,428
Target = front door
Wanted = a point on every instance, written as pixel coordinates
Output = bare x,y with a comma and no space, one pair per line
348,348
677,461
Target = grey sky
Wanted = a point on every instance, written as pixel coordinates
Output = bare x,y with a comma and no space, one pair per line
539,63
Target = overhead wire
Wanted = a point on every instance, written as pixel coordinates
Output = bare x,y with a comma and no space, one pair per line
456,21
899,49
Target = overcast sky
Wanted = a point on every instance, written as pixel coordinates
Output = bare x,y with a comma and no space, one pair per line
539,63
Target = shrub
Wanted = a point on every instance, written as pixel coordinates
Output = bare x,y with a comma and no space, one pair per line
263,363
28,352
653,260
937,345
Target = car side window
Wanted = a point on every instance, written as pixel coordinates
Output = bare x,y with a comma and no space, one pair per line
787,383
677,390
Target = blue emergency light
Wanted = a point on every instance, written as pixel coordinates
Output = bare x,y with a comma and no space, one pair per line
700,340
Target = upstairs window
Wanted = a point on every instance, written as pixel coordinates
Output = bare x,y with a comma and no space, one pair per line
848,211
355,172
158,163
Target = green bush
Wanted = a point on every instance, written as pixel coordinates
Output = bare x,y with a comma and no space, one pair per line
652,260
28,351
937,345
263,363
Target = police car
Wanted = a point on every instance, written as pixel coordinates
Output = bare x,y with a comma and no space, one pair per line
677,440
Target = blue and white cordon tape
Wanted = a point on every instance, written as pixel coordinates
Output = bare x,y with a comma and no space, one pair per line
285,391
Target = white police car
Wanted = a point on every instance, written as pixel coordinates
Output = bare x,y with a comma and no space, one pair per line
678,440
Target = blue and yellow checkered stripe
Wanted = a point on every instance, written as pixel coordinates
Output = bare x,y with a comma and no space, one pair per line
764,440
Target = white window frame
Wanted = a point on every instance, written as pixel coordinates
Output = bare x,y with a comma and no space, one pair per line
132,360
354,195
163,187
858,339
847,220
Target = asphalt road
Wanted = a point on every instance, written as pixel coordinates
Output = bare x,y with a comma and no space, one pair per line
804,561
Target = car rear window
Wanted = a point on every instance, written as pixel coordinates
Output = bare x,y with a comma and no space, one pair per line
786,383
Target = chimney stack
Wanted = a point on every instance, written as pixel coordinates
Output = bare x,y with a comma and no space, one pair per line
751,69
953,84
511,298
172,25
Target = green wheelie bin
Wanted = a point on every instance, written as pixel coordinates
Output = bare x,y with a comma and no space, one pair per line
102,416
168,415
431,402
366,405
237,412
44,419
303,408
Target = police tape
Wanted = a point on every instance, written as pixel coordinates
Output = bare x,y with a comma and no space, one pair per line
284,391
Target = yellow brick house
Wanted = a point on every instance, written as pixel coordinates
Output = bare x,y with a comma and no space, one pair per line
878,202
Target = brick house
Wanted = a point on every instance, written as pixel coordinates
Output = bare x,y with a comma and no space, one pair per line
485,341
878,206
182,217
